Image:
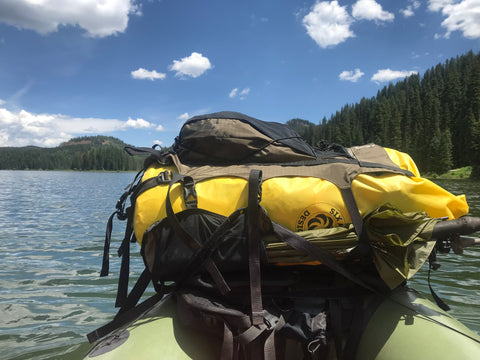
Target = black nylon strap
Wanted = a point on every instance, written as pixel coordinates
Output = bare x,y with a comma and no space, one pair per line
254,239
354,212
161,179
193,244
433,264
106,247
316,253
124,318
124,251
138,289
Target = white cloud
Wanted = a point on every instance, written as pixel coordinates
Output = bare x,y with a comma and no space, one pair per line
241,95
370,10
245,92
24,128
138,124
328,24
386,75
158,142
97,18
184,116
461,16
350,75
409,11
437,5
194,65
144,74
2,102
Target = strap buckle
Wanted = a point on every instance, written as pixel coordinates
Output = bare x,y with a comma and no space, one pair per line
189,192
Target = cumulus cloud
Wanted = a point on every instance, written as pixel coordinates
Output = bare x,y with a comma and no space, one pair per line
144,74
241,95
386,75
24,128
138,124
184,117
437,5
410,9
461,16
328,24
194,65
352,76
370,10
97,18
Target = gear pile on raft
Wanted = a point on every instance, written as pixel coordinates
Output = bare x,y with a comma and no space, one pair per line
273,248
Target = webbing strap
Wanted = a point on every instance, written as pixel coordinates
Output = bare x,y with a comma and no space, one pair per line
316,253
160,179
106,246
192,243
124,252
124,318
254,239
352,207
138,289
433,264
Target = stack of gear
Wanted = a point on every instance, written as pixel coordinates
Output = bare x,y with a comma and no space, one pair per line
236,195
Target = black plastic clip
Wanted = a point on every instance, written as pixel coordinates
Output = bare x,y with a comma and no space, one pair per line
164,177
121,214
189,192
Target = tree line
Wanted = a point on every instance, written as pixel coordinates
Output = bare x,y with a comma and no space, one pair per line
435,118
82,153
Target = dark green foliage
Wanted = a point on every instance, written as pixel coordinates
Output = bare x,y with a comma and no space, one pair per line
83,153
435,119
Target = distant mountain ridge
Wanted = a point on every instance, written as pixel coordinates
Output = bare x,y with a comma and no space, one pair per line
94,140
81,153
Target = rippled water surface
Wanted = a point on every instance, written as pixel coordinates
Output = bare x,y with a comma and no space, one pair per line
52,227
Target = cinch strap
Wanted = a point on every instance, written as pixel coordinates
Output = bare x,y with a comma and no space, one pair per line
254,239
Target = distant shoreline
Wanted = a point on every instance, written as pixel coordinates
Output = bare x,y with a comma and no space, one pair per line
454,174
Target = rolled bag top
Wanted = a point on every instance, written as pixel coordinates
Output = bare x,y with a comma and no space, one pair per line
306,197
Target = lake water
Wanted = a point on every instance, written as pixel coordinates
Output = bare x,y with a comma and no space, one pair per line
52,227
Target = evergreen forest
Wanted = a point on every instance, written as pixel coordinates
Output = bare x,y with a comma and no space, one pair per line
82,153
434,118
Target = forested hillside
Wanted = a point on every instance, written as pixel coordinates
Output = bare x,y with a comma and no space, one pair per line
435,118
83,153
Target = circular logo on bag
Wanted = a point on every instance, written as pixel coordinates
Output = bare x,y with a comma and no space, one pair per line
319,216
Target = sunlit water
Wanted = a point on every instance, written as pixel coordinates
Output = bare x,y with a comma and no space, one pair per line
52,227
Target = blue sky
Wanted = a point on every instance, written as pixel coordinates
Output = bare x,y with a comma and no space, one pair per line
137,69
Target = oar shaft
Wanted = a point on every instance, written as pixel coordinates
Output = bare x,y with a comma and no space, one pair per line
462,226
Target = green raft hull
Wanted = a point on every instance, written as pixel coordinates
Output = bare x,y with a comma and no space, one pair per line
404,326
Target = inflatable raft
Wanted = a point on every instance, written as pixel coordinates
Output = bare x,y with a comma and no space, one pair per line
404,326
